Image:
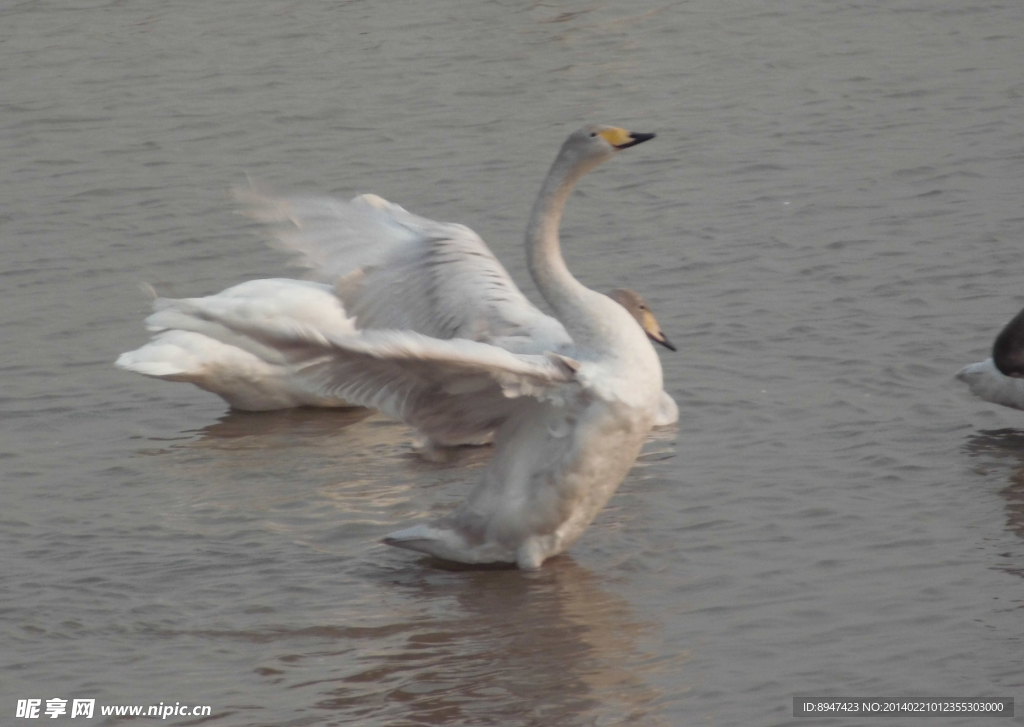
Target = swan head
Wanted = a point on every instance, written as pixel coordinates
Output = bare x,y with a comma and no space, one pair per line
637,307
1008,349
593,144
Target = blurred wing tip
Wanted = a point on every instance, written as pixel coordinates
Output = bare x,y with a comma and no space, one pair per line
262,205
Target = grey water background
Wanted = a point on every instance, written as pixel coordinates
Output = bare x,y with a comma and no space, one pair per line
829,225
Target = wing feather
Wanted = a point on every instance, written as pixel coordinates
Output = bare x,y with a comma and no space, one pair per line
452,391
395,270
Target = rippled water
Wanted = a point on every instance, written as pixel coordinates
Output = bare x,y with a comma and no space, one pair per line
828,225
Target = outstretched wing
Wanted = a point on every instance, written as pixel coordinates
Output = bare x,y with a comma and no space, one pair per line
453,391
395,270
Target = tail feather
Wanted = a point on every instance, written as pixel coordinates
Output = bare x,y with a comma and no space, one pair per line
173,355
131,361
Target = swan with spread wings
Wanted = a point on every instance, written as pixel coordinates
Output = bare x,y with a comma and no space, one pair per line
430,329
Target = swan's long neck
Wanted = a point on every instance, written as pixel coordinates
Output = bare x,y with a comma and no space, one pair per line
575,305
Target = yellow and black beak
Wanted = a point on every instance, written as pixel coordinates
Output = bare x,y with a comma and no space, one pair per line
622,139
661,338
654,332
634,139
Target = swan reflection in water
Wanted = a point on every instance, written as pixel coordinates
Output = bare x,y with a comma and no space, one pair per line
300,422
1004,443
495,647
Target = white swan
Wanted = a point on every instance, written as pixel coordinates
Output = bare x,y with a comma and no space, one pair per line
1000,379
571,427
223,343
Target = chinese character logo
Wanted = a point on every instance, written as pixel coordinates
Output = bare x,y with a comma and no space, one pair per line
56,707
28,708
83,708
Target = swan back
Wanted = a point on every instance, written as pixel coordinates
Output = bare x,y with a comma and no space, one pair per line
989,383
1000,379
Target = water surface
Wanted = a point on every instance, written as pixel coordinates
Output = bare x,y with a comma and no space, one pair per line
828,225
